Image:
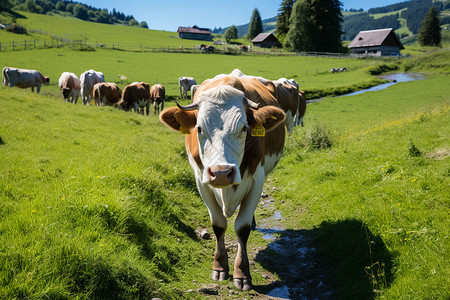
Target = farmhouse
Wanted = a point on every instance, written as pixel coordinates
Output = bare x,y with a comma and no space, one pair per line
194,33
265,40
379,42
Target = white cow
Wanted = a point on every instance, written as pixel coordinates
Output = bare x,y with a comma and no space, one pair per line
88,80
185,84
24,78
70,87
193,90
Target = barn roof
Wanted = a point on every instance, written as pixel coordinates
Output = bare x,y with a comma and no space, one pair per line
194,29
262,37
378,37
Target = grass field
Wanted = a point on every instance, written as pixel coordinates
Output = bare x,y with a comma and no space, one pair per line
97,203
165,68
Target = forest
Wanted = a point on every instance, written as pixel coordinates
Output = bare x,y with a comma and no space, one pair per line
75,9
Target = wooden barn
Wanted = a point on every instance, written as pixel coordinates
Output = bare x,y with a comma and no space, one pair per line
265,40
379,42
194,33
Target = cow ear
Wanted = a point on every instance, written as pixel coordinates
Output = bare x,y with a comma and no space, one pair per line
178,119
267,116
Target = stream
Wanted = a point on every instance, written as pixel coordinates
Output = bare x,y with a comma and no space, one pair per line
393,79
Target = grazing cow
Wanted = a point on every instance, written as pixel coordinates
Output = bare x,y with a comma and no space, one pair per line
88,80
193,90
24,78
158,96
106,93
233,139
185,84
137,96
70,87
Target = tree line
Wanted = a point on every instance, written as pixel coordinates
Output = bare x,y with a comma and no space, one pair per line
75,9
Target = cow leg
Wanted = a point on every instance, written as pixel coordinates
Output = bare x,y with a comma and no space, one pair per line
219,223
241,275
148,107
136,107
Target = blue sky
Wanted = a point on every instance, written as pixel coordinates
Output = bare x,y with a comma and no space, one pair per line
169,14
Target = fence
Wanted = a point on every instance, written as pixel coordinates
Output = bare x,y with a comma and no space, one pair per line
80,42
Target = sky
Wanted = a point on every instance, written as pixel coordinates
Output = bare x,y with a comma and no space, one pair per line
169,14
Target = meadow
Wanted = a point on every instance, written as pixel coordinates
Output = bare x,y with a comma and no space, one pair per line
97,203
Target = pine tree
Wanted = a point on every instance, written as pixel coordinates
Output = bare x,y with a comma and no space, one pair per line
255,26
430,32
283,19
315,26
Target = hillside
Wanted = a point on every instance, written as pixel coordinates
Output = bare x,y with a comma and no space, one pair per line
405,17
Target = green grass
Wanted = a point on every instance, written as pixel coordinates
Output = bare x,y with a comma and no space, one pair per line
380,213
97,203
165,68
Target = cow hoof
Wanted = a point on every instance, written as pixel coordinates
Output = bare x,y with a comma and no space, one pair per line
219,275
243,284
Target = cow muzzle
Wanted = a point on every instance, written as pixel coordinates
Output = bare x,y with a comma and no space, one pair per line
221,176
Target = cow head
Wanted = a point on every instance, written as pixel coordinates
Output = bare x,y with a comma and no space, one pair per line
221,120
46,80
65,91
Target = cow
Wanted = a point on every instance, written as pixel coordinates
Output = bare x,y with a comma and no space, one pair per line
233,139
301,108
70,87
106,93
289,100
88,80
158,96
185,84
24,78
136,95
193,90
284,91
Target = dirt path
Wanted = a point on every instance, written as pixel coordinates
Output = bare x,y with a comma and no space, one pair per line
289,254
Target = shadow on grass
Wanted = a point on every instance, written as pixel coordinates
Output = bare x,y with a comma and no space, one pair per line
337,260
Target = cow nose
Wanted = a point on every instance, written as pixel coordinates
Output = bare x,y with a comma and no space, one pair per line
221,176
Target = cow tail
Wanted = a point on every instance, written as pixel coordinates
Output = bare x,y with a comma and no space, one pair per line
5,77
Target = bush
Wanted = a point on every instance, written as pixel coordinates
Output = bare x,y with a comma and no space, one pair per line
377,70
413,150
16,28
318,137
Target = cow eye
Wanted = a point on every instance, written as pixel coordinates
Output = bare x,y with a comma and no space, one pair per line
199,130
245,128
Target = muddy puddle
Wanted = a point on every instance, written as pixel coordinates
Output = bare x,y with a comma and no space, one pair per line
291,255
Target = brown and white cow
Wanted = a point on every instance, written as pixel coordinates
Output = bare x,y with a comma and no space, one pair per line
288,98
24,78
136,95
106,93
233,140
70,87
88,80
158,96
301,108
185,84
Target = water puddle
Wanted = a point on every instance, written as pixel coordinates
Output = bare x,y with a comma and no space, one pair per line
393,79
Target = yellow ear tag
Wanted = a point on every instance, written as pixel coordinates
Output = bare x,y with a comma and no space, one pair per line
258,130
184,130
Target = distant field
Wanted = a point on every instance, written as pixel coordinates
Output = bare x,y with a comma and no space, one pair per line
165,68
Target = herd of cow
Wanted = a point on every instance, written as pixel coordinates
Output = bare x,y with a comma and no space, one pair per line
234,131
91,85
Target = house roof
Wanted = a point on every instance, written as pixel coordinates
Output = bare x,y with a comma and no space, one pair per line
194,29
376,37
262,37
